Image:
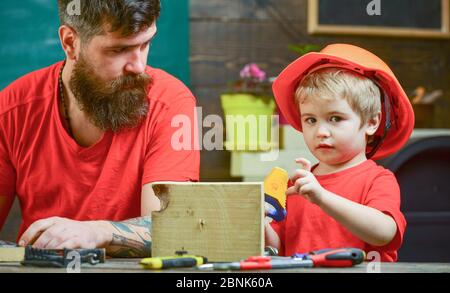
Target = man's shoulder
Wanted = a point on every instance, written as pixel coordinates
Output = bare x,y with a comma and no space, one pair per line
166,87
35,85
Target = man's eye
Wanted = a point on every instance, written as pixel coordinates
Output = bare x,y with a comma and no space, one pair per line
118,51
335,119
145,46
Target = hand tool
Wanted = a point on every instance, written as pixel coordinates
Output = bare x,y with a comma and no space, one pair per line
337,257
275,186
177,261
345,257
60,258
261,263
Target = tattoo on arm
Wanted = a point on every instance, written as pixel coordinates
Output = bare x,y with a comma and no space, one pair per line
133,238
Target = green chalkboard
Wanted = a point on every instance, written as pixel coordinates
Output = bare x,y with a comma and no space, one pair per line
29,38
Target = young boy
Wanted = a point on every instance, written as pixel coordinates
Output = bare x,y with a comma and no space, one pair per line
351,109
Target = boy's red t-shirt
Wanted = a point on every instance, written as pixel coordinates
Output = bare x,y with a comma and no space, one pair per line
53,176
307,227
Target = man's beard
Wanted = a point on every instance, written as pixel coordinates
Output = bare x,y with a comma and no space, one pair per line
114,105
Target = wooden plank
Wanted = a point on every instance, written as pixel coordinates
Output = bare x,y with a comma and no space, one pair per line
246,9
221,221
11,254
220,50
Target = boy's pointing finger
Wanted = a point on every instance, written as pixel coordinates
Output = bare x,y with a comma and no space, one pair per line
306,164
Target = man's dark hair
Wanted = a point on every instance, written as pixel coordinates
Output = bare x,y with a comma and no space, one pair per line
127,17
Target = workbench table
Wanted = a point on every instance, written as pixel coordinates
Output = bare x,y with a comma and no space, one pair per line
132,266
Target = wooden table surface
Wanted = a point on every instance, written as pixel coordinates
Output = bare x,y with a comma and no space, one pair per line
132,266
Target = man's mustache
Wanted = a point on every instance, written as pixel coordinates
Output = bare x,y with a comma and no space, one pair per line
128,82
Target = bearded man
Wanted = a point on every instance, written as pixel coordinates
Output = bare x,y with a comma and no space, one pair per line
82,141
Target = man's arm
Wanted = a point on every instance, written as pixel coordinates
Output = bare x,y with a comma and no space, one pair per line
130,238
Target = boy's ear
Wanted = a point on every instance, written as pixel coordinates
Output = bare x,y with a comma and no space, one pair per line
373,124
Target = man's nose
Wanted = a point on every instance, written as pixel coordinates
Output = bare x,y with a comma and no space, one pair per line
136,64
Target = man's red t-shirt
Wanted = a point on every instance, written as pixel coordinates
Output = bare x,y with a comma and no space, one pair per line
307,227
53,176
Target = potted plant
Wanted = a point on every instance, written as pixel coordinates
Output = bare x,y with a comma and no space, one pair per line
249,108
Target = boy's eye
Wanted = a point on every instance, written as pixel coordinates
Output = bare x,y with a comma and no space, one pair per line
310,120
335,119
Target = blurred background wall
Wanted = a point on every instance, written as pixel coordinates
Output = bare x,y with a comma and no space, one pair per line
226,35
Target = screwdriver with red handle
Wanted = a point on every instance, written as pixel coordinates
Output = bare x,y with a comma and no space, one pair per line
340,257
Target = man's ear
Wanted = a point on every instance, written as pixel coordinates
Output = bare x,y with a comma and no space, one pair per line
373,124
70,41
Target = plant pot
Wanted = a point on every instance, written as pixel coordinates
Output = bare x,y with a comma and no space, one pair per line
248,122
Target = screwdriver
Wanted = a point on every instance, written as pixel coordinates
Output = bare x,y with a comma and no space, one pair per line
178,261
338,257
261,263
342,257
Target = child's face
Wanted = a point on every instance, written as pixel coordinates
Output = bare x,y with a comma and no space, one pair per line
332,130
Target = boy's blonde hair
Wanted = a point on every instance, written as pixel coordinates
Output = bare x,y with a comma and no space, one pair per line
360,92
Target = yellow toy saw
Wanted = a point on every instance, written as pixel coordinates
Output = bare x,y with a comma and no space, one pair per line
275,186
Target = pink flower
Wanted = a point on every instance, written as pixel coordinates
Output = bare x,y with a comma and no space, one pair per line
245,72
253,71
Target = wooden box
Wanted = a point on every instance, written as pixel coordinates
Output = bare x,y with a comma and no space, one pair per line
221,221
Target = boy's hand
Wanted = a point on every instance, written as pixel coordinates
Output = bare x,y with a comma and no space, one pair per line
305,183
268,209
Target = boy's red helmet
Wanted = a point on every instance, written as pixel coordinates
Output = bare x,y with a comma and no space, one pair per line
397,121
